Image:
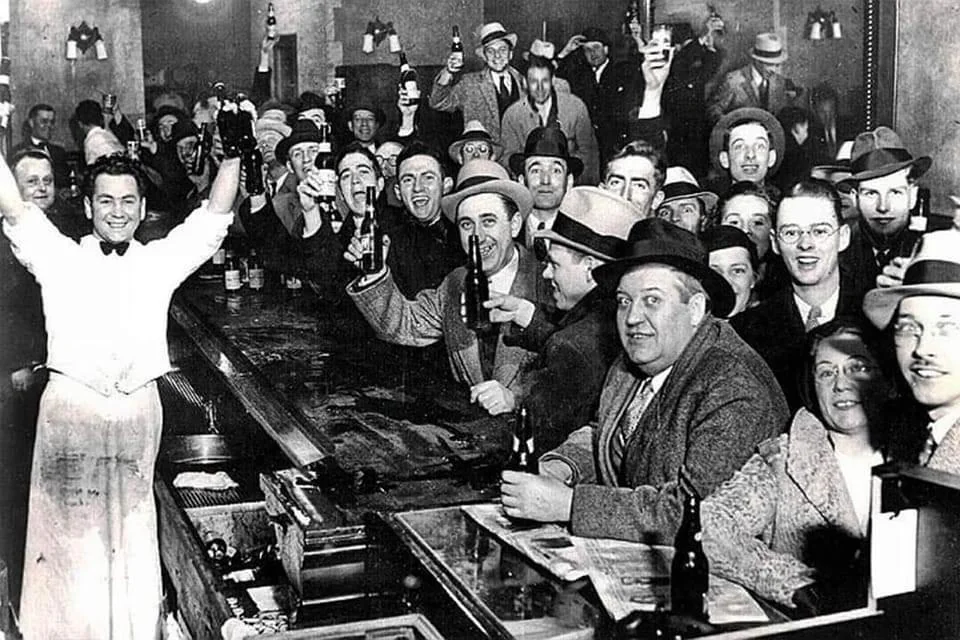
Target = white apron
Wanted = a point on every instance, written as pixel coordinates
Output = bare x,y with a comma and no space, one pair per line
92,564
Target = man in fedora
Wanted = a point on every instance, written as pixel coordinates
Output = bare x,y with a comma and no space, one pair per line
884,180
609,89
574,354
685,391
363,122
684,203
548,170
297,153
747,144
488,204
474,143
544,106
757,84
481,95
808,233
923,315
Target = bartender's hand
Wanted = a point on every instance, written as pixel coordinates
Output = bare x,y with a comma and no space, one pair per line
494,397
541,498
892,274
506,308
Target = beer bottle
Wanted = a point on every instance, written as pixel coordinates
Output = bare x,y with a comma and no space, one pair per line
325,162
409,80
523,450
255,271
456,47
250,157
475,289
921,211
231,272
202,152
271,22
371,236
690,571
141,131
74,189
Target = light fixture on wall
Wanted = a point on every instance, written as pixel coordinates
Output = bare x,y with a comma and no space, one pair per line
375,34
822,25
81,38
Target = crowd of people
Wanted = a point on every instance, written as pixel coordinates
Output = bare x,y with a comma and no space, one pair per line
683,273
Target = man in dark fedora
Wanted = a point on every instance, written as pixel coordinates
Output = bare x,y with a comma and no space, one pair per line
481,95
474,143
747,144
608,88
685,391
923,316
297,152
545,106
884,180
574,354
757,84
548,170
363,122
684,203
488,204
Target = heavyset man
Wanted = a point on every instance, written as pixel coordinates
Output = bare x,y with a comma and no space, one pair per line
92,558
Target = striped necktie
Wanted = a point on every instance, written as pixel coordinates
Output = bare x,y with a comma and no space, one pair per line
630,421
813,319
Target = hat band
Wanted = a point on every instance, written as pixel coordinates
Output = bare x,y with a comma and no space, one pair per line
932,272
475,135
879,158
767,54
678,189
490,37
580,233
473,181
657,247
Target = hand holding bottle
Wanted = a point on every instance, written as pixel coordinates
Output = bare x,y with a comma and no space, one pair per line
494,397
354,255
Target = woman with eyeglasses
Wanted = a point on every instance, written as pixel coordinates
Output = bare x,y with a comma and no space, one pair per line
791,524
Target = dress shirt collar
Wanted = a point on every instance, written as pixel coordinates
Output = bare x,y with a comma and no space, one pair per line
755,77
502,281
658,379
506,78
535,219
543,110
828,310
940,426
598,71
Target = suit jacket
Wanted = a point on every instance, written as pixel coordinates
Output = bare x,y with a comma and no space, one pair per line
434,315
784,515
563,387
521,118
475,95
946,457
718,402
736,90
609,101
776,331
860,261
58,157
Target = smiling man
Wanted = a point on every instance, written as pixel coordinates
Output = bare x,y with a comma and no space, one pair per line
685,391
40,124
92,553
923,315
808,234
491,206
636,174
746,144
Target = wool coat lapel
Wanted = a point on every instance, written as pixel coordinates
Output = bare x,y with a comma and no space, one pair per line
947,455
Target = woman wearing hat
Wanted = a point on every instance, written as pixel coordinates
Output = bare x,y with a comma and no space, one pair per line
734,256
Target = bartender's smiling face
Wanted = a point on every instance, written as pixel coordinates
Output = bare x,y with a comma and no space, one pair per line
355,173
487,215
115,207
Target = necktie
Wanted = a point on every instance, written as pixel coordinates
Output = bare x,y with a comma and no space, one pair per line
813,319
503,87
109,247
541,226
765,94
630,421
929,448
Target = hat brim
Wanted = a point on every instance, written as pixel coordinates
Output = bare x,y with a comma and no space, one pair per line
457,146
574,164
509,37
879,305
918,167
774,60
769,122
553,236
507,188
284,146
708,198
722,297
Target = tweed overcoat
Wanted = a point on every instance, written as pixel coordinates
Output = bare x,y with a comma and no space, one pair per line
718,402
736,90
476,96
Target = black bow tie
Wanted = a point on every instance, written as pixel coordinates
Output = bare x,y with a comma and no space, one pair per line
110,247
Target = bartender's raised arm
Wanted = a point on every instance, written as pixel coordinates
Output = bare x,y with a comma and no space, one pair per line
12,206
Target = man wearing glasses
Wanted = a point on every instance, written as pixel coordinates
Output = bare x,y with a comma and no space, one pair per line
809,234
481,95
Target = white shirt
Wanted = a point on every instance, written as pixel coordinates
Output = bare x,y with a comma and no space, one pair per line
756,78
543,110
502,281
940,426
598,72
533,225
506,78
106,316
856,472
827,310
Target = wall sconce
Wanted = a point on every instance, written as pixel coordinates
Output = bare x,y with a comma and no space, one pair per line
822,25
81,38
375,34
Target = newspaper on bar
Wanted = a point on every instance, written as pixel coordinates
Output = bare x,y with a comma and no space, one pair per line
548,546
630,576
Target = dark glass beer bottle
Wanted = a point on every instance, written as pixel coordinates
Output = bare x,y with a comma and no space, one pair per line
325,163
371,236
255,271
231,272
202,152
271,22
456,46
409,80
690,570
523,450
475,289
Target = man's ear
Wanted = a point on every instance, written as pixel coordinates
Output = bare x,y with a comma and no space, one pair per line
724,159
516,223
380,185
698,308
447,185
844,236
88,208
912,191
657,199
772,158
143,209
350,125
569,183
396,190
773,242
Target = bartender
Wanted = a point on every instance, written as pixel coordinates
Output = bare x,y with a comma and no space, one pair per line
92,554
